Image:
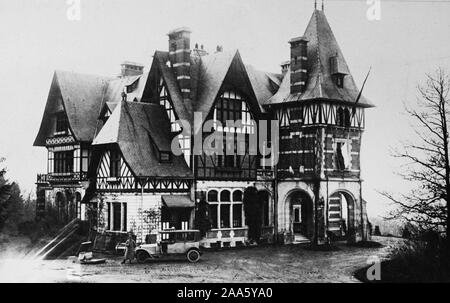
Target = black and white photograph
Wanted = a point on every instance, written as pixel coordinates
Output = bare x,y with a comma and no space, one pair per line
237,142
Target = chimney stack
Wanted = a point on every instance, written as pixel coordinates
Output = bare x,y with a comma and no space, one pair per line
299,63
199,51
131,69
180,57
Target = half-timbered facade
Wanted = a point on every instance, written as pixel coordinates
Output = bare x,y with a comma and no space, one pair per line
321,118
139,166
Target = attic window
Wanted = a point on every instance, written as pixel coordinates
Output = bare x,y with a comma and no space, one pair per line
62,123
164,157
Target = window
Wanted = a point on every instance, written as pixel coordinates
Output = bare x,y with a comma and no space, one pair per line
124,228
237,196
342,155
164,157
224,215
343,117
296,115
339,80
297,212
116,216
85,155
213,213
225,196
62,123
63,162
233,107
212,196
237,215
230,161
114,163
347,118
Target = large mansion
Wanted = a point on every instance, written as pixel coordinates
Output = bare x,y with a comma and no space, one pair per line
109,143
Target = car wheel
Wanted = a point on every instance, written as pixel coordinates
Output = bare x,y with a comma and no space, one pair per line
193,255
142,256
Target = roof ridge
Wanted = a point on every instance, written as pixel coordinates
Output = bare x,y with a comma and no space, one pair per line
84,74
318,52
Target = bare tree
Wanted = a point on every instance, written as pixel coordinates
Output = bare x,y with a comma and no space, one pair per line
426,206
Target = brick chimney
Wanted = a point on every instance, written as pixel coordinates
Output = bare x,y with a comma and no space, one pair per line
180,58
299,63
131,69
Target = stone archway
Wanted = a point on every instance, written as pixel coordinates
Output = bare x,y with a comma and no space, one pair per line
61,207
341,216
264,199
300,215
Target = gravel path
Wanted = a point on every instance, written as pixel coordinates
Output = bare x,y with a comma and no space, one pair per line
259,264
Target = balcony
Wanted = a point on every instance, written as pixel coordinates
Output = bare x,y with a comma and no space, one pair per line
61,178
264,174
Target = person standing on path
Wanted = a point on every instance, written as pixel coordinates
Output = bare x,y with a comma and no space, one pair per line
130,249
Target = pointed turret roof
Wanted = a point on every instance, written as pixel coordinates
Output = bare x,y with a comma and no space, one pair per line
322,46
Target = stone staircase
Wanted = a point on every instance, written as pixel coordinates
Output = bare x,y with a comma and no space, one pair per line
65,242
300,239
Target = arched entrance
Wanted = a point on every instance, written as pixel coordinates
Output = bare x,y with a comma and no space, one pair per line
61,207
300,215
341,215
264,199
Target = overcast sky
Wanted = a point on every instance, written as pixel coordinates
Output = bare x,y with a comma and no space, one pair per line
37,37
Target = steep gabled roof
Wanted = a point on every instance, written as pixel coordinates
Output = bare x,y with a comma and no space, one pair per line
264,84
141,130
160,60
81,97
220,69
322,45
208,74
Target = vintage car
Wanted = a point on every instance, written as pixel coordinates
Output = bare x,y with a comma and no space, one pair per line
172,243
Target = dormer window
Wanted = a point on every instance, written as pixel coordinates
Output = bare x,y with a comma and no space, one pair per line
164,157
62,123
337,70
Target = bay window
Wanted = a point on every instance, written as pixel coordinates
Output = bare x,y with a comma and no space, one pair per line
226,209
63,162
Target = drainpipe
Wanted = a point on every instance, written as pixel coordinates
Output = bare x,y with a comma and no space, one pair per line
275,203
360,191
361,212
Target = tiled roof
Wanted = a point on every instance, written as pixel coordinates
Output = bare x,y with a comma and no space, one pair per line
141,130
322,45
81,96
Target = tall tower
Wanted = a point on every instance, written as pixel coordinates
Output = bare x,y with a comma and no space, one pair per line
321,125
